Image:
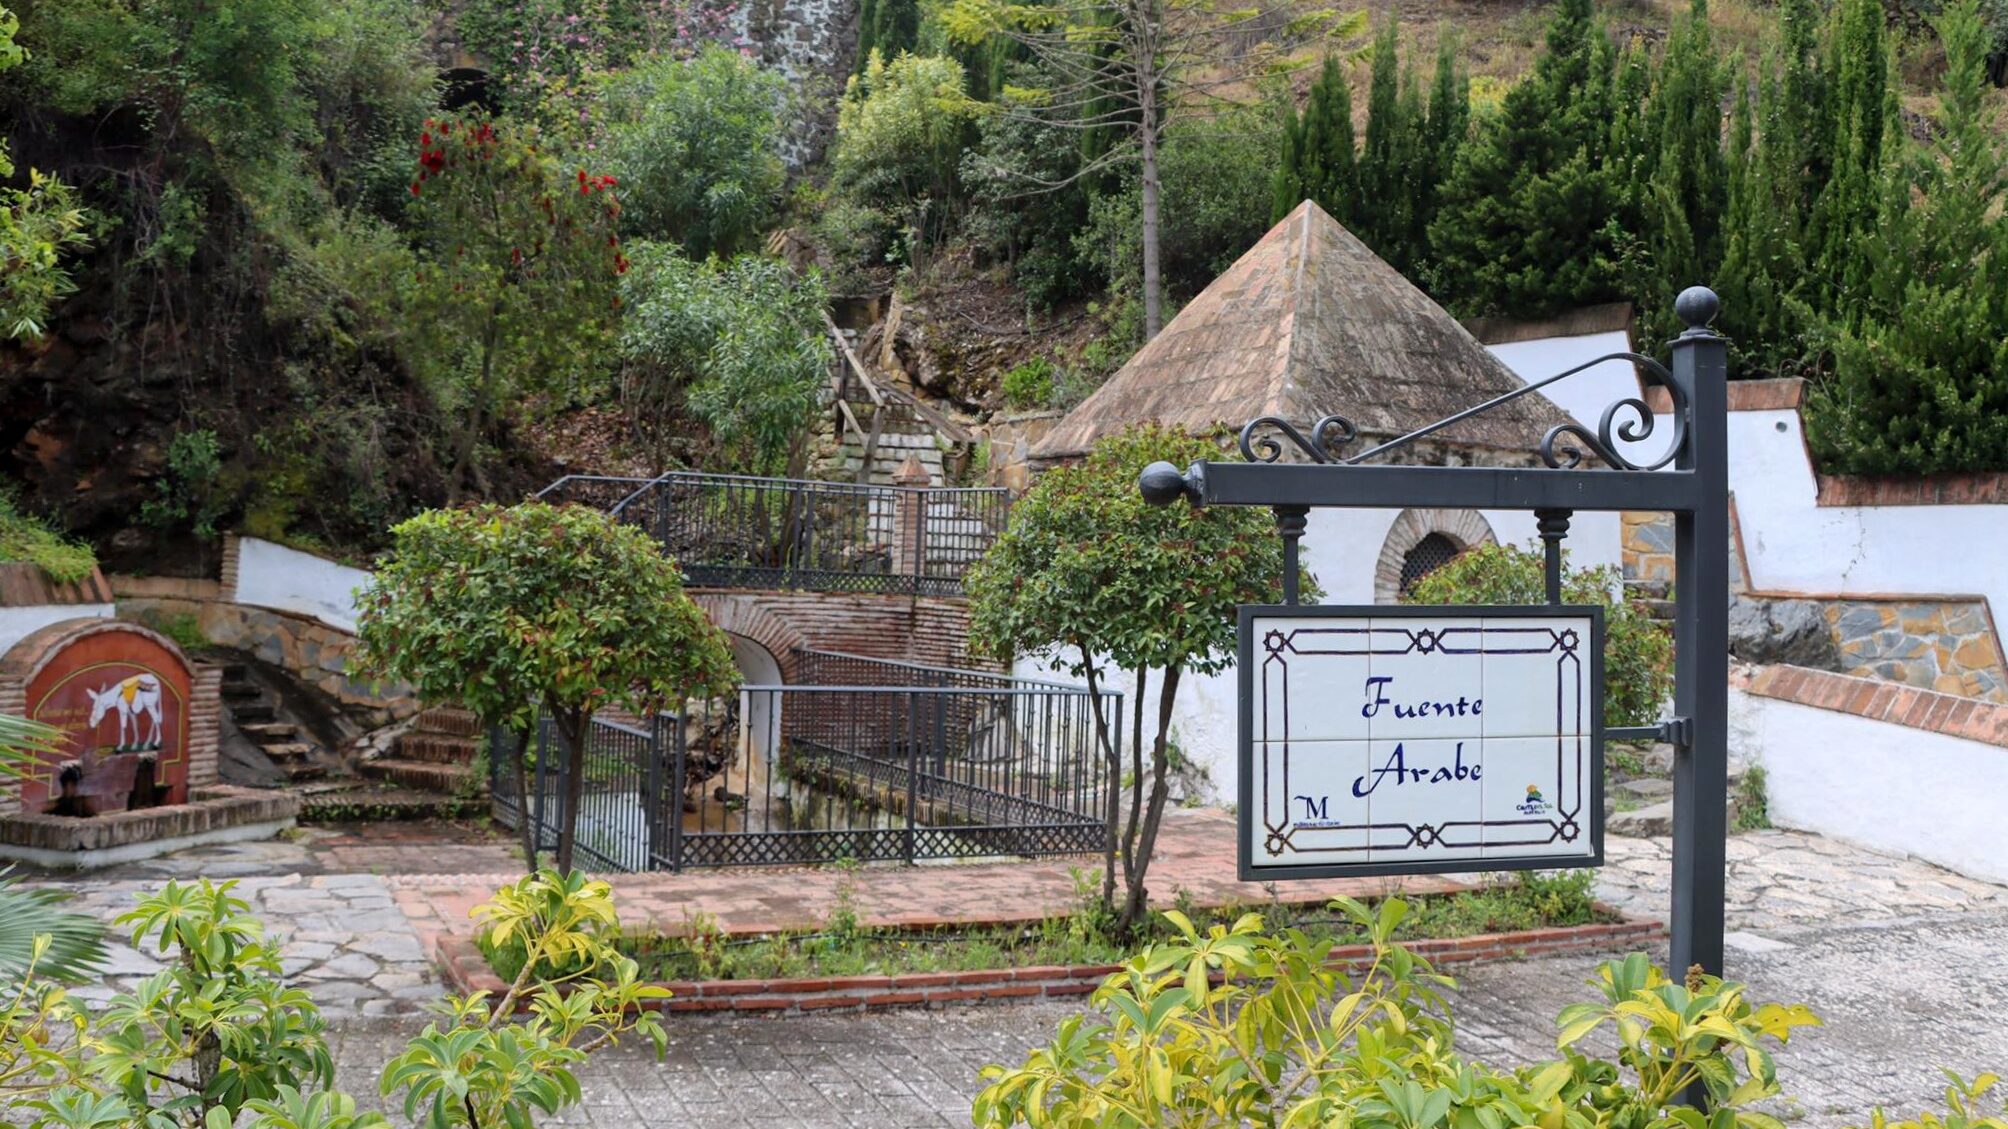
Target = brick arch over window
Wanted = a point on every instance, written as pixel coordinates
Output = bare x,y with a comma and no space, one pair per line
1463,528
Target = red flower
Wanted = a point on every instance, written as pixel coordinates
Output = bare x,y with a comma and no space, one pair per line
414,188
425,140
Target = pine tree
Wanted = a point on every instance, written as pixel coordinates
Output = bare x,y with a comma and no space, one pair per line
1920,375
1318,159
1524,225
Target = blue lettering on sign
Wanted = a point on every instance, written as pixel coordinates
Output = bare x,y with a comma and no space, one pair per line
1397,767
1377,690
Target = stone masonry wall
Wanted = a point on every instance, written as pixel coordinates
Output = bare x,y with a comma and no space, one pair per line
1943,645
1647,545
313,653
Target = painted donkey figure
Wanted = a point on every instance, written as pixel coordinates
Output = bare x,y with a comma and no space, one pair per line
133,698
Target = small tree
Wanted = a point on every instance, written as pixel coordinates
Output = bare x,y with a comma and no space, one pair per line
1091,577
508,611
517,288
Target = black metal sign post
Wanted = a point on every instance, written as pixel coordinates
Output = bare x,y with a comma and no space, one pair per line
1689,479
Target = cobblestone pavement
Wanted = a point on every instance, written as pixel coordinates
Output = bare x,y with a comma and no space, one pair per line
1902,958
342,938
1899,1000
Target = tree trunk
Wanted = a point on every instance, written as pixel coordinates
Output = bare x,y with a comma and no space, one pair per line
522,767
1147,126
463,453
1113,760
1138,903
1136,770
571,726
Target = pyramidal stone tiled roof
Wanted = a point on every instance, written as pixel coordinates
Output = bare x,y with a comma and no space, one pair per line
1310,322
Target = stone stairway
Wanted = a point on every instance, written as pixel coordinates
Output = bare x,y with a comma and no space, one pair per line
436,754
898,438
1655,595
258,715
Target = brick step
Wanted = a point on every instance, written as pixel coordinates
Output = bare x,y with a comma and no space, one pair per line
377,803
242,691
253,712
449,720
417,774
270,732
434,748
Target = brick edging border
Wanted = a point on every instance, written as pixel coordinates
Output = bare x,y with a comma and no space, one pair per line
1968,718
466,970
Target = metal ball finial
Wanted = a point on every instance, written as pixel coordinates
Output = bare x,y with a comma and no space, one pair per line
1161,484
1697,307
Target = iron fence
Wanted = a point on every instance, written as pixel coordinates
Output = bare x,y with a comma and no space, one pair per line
736,531
972,765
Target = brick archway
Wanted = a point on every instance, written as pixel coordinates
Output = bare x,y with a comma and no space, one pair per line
923,629
741,614
1465,528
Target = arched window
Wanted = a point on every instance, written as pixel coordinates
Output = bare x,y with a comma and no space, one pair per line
1420,542
1428,555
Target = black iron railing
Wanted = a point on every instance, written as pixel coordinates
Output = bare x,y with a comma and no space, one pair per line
972,764
734,531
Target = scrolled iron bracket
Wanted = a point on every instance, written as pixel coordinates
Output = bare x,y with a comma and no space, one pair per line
1328,439
1611,429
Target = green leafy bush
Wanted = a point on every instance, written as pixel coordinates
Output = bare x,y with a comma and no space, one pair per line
1029,385
696,143
1638,653
189,495
901,129
215,1039
1239,1025
24,537
740,341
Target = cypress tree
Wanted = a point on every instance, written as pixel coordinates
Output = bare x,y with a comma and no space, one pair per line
1860,101
1387,162
1920,376
1679,172
887,26
1318,159
1524,223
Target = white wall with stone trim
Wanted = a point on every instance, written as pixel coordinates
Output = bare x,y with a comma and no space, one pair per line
272,576
1881,785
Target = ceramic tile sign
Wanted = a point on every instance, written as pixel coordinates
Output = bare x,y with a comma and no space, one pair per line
1418,740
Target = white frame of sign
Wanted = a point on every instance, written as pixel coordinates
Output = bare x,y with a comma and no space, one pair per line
1390,764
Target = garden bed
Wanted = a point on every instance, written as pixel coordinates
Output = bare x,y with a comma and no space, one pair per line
847,967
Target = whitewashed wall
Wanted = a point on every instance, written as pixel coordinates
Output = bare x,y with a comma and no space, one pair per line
1881,785
1793,545
273,576
17,624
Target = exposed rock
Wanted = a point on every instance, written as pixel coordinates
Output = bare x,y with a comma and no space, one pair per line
1644,823
1782,631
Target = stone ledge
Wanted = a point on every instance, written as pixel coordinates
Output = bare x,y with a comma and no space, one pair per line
212,809
1948,714
466,970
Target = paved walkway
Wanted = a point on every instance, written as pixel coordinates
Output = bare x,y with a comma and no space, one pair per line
1903,959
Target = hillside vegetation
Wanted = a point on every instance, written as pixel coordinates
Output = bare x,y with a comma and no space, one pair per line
269,270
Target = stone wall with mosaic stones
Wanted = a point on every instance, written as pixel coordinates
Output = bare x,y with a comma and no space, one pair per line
1648,545
1943,645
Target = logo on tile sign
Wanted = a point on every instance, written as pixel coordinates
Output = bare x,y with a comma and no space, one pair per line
1404,740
